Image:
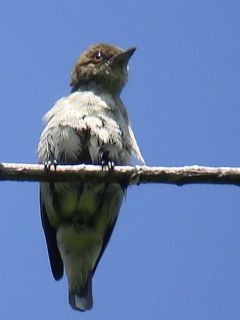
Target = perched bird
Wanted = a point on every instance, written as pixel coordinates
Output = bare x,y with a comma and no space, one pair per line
89,126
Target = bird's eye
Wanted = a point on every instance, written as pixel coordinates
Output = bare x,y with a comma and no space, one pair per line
98,56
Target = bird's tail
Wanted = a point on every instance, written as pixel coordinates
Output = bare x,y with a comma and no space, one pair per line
82,300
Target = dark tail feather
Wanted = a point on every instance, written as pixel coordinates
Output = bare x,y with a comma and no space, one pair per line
82,300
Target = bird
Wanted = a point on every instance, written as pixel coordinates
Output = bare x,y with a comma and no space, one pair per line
89,126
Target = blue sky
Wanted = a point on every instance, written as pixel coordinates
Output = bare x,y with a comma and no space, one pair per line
175,252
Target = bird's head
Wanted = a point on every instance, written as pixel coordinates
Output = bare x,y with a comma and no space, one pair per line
104,66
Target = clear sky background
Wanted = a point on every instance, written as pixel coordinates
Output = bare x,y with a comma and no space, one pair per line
175,252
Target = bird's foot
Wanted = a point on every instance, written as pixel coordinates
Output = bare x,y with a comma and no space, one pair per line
48,164
109,165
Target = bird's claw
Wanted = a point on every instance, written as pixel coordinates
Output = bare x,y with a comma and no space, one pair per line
108,164
49,163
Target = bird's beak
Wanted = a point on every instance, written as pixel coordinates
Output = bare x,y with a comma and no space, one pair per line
122,57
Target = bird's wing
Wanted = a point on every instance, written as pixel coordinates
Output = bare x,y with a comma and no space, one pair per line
112,198
53,252
106,239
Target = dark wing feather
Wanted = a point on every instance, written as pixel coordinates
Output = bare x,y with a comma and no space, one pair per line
53,252
106,239
107,235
